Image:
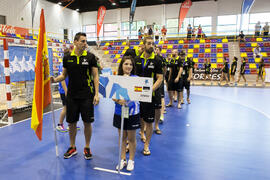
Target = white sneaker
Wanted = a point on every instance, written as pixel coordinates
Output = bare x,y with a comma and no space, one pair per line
130,165
123,163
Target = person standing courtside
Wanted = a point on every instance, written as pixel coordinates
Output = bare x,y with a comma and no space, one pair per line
148,65
82,93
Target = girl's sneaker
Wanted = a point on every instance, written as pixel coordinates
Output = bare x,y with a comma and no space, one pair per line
130,165
123,163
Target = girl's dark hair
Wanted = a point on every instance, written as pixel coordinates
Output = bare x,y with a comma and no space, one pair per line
235,58
120,68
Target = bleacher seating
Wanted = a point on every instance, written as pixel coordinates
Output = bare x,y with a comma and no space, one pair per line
246,50
199,49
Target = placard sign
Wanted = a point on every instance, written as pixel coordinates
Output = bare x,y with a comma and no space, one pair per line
130,88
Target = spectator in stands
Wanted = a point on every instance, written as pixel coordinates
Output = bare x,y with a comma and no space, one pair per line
224,72
257,52
189,31
140,32
199,34
194,32
157,34
145,31
241,37
164,33
258,28
233,69
261,71
266,29
242,71
150,31
98,43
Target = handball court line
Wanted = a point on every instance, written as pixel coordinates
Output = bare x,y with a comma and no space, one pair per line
111,171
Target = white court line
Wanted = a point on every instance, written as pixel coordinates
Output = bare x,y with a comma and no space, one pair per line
28,119
111,171
255,109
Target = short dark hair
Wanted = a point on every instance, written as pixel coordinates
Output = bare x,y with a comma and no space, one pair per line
120,67
159,48
147,38
78,35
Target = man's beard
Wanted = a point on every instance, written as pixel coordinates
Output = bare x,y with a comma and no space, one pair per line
150,50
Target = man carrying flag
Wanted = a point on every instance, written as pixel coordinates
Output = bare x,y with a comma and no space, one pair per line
42,86
82,92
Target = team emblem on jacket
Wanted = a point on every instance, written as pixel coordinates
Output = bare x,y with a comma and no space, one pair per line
85,62
151,65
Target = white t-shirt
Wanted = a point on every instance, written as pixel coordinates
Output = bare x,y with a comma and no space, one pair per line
156,33
146,31
257,27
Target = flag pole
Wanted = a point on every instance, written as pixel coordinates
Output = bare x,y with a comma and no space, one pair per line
54,127
124,114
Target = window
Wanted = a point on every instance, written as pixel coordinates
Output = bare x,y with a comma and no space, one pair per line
2,19
90,31
172,27
185,24
110,31
134,29
227,25
205,22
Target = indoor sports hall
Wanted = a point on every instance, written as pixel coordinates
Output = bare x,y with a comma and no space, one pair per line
208,65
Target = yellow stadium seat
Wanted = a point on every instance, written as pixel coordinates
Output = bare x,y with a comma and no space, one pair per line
60,60
196,46
219,55
207,50
202,41
181,42
106,52
259,39
126,47
253,44
1,34
257,60
219,45
161,42
170,47
219,60
135,47
163,51
213,65
107,44
141,42
119,60
117,56
124,43
224,40
252,66
124,51
196,60
264,54
190,55
243,54
190,50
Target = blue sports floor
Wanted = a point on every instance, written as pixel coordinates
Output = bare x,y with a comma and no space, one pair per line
224,134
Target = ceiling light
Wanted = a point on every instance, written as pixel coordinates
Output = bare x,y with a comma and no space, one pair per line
59,3
77,9
113,3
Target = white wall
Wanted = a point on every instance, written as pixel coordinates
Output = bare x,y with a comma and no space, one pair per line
18,13
159,14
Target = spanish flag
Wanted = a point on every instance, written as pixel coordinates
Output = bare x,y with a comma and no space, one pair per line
42,86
